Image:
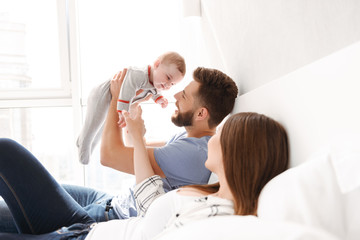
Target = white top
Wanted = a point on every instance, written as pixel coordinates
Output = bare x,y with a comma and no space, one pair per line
160,212
135,79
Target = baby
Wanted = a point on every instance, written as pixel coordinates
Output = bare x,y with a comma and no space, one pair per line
168,70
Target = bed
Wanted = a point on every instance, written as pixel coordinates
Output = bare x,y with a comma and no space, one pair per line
318,197
299,63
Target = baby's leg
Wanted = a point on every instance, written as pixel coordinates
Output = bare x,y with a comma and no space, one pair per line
97,108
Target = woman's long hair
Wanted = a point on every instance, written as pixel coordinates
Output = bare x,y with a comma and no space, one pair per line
255,149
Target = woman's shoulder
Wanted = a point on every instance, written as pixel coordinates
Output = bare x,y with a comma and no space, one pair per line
190,191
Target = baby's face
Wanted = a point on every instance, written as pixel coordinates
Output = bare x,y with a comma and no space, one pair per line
165,76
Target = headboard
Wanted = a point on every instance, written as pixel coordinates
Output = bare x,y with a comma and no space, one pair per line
318,104
296,61
257,41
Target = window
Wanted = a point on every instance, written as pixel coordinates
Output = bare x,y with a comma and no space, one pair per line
52,56
46,132
33,50
35,100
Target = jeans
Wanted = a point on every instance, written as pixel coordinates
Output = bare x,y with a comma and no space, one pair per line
77,231
7,223
38,204
92,201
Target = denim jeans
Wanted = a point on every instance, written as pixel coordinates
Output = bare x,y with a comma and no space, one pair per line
92,201
38,204
77,231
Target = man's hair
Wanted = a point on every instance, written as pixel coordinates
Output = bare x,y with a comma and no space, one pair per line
217,93
175,58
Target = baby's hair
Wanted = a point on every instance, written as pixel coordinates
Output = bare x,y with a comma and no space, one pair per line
175,58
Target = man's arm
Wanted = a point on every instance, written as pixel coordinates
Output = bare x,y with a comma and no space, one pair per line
113,152
155,144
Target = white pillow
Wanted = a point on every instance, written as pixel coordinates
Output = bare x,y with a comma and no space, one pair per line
244,227
310,194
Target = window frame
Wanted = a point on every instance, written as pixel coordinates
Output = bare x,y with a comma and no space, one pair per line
69,94
36,97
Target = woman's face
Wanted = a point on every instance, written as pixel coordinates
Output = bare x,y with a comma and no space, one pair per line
214,161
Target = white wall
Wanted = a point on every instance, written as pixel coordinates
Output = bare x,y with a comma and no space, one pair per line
257,41
318,104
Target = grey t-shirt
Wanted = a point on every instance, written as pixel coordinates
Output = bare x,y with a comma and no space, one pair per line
182,160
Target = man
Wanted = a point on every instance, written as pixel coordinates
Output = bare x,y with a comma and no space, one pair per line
201,106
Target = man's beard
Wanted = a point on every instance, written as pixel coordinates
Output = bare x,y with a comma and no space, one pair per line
183,119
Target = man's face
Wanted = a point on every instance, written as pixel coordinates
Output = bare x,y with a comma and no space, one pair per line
183,119
185,102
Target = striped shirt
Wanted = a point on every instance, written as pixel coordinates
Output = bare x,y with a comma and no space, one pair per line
160,212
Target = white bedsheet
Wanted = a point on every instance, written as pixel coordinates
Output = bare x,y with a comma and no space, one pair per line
245,227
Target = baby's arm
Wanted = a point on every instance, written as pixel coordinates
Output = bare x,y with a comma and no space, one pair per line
160,99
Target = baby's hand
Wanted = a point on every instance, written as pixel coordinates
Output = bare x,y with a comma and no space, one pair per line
121,121
163,102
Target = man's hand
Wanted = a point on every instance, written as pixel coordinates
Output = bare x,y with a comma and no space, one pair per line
115,86
116,83
121,121
134,107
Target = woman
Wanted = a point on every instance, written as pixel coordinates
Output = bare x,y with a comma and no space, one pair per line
248,151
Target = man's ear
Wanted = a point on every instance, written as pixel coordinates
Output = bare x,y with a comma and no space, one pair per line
201,114
156,63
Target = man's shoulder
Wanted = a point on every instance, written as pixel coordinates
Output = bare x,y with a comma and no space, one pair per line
177,136
182,138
